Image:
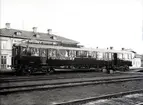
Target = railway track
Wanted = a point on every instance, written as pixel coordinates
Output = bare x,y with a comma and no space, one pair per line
59,76
70,83
92,100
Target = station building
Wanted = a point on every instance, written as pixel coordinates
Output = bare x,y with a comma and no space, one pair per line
9,37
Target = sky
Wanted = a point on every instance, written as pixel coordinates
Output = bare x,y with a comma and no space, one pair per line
93,23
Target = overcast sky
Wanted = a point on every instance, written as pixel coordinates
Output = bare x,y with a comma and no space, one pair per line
93,23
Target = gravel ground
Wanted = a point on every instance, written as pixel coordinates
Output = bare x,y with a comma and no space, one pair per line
133,99
61,74
66,74
47,97
55,81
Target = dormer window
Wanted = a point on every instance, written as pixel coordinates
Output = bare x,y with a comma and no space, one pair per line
18,33
53,37
36,35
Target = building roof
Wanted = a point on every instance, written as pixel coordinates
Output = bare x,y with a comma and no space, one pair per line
130,50
31,35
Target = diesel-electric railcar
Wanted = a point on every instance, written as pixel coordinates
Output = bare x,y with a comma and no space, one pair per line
30,58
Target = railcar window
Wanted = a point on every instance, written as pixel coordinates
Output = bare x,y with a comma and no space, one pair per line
25,51
125,56
128,56
66,53
99,55
82,54
131,56
43,52
110,56
120,56
92,54
73,54
52,53
62,54
79,53
34,52
105,56
70,53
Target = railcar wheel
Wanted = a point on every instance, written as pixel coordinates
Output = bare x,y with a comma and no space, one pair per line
51,70
111,71
104,70
126,67
27,71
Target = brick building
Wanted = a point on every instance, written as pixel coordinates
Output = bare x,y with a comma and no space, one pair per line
9,36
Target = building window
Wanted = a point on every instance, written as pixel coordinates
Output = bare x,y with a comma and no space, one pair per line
3,45
53,37
18,33
3,62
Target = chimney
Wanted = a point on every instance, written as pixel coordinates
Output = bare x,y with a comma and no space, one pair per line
34,29
49,31
123,48
111,48
96,47
7,25
107,48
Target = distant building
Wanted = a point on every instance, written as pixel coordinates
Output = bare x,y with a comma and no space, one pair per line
136,61
9,37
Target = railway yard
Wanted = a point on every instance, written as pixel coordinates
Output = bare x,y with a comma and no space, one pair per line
73,88
44,68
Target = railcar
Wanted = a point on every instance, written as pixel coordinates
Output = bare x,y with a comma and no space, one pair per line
27,59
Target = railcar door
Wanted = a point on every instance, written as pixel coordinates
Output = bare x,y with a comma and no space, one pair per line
43,56
115,58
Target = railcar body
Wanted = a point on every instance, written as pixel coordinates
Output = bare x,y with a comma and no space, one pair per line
33,57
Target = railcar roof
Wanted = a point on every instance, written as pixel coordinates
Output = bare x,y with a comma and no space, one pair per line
73,48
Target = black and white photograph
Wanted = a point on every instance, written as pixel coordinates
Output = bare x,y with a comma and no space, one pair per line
71,52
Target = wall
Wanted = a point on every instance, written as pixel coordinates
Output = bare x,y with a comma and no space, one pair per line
6,50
